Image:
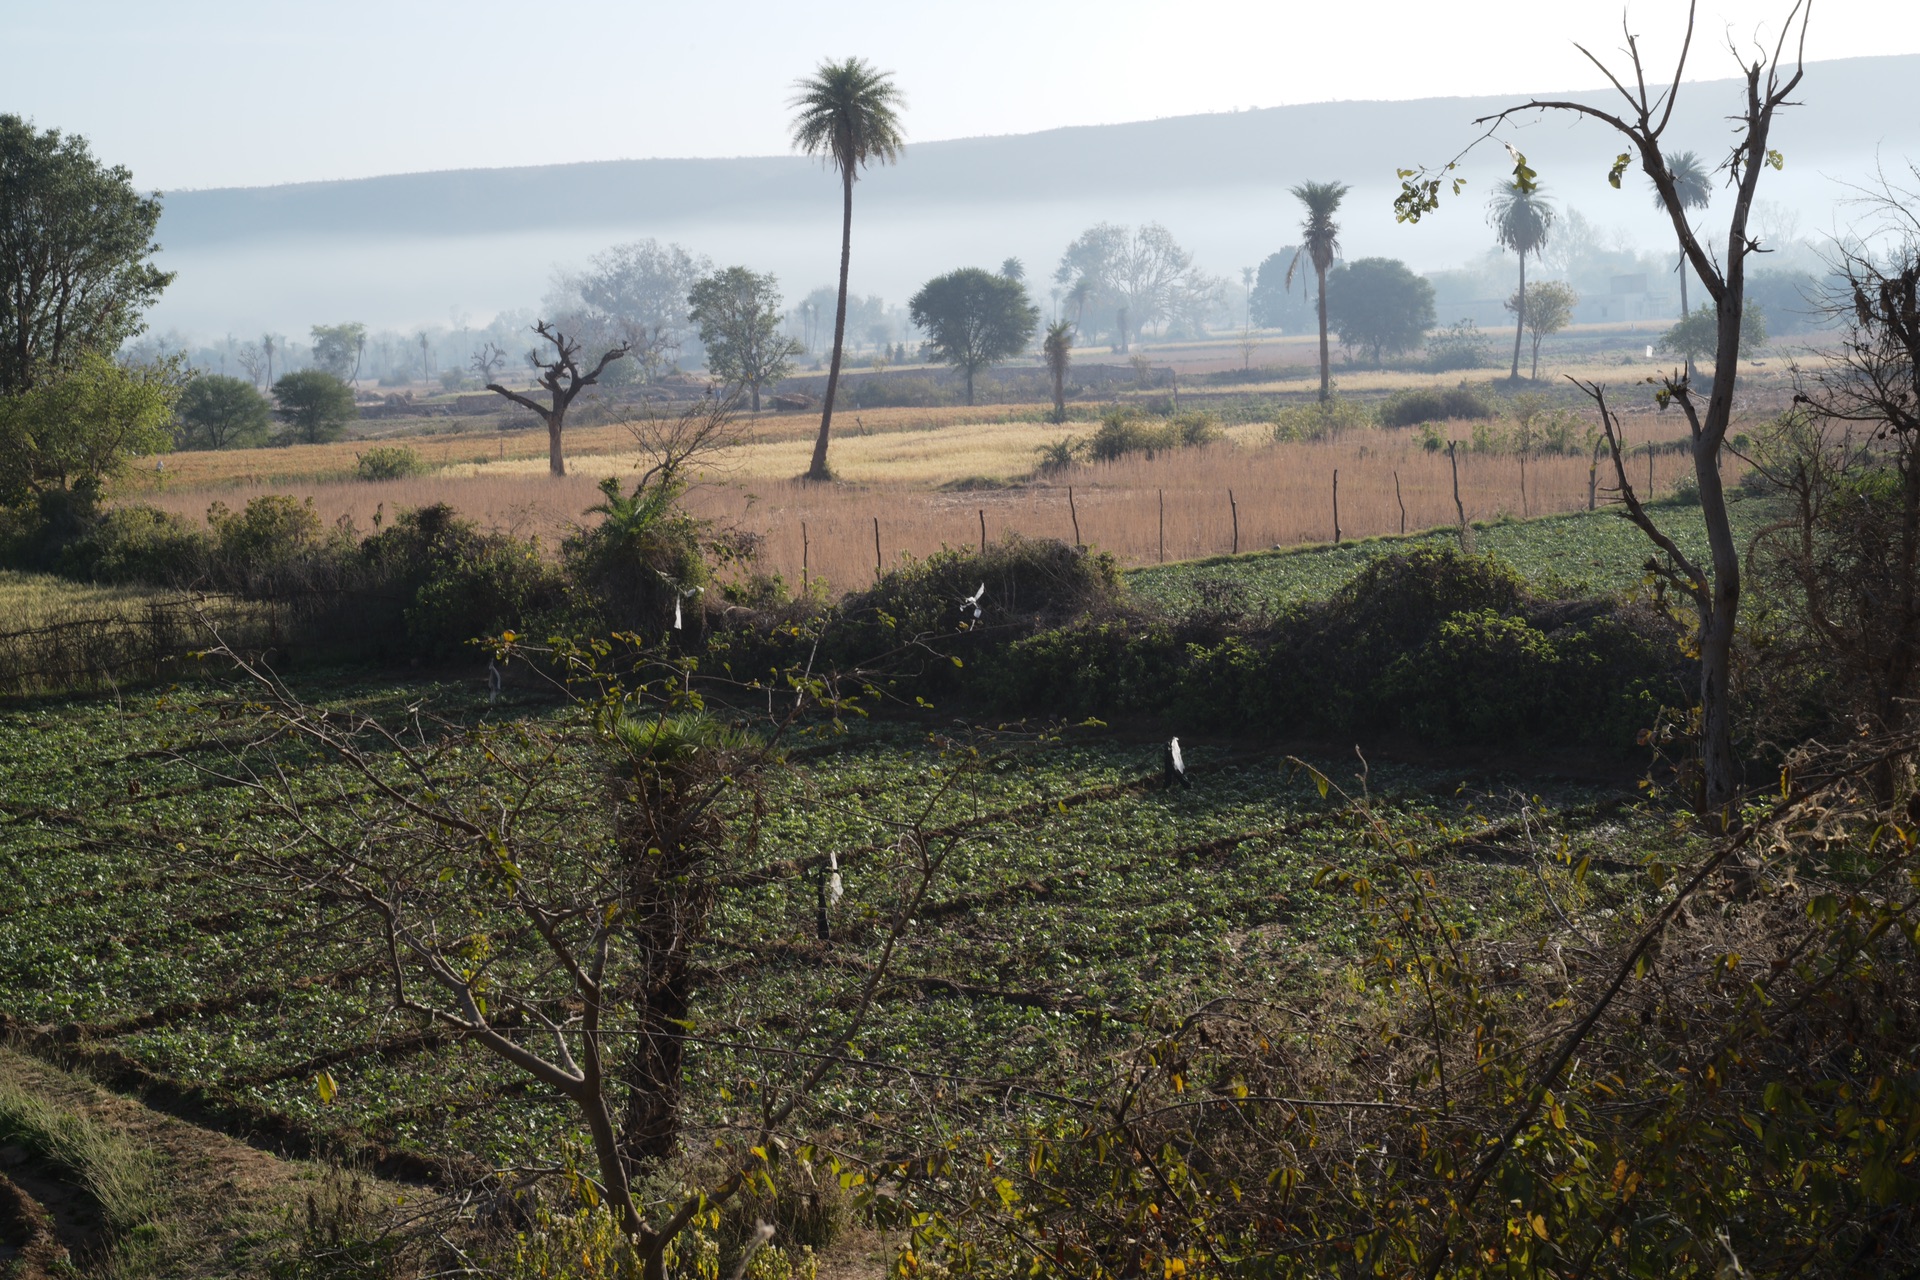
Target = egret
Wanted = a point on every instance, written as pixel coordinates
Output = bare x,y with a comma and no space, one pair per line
1176,765
494,680
970,610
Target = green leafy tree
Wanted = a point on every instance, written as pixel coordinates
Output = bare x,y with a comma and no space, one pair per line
974,319
1697,334
848,114
1380,305
1548,308
76,429
1057,347
218,412
337,349
1522,221
1692,189
315,405
1319,246
1270,304
738,312
74,242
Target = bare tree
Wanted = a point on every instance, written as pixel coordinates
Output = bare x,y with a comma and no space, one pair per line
1713,588
487,361
562,376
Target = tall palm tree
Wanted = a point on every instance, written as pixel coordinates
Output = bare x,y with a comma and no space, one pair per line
847,114
1695,189
1320,245
1522,220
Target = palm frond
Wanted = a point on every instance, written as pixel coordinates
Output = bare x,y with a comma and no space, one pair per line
848,114
1691,181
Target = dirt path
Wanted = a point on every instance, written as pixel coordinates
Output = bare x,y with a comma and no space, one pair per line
227,1207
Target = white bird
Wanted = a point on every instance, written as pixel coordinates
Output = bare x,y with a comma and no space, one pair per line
678,597
1176,765
834,890
970,610
494,681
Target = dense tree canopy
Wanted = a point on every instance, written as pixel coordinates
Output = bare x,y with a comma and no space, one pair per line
738,312
74,242
633,295
315,405
218,412
1379,305
74,430
1272,304
337,348
974,319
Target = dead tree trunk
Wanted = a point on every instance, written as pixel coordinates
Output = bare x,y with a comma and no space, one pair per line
564,380
1715,587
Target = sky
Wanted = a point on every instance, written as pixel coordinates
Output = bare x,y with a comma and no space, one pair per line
208,93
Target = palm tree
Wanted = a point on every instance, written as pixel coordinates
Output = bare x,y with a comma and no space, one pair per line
1320,244
1692,184
1058,350
1522,219
846,113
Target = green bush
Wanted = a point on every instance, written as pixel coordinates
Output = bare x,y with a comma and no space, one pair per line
1460,345
1481,676
387,462
643,557
1433,404
453,582
139,544
1317,420
1125,431
1444,646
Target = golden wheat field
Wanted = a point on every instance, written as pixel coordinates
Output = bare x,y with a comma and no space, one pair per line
920,480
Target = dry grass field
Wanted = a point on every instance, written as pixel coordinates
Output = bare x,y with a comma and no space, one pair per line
931,486
931,476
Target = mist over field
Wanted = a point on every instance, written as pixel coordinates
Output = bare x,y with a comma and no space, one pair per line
460,246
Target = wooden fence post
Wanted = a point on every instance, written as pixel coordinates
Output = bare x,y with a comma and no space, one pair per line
983,531
1402,501
876,548
1235,508
1163,526
1336,506
803,559
1075,514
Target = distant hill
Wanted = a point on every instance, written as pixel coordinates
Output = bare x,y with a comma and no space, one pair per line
411,249
1849,104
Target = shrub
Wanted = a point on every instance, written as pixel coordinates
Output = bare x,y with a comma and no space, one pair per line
139,544
1196,427
1433,404
1058,455
642,559
1460,345
445,582
1124,431
265,543
1481,675
1319,420
387,462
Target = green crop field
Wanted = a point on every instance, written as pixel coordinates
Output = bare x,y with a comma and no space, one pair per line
1587,553
1081,900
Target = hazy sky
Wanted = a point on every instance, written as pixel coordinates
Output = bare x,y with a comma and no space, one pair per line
199,93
